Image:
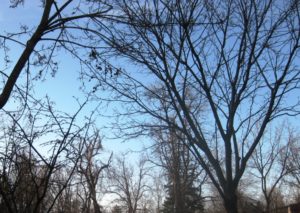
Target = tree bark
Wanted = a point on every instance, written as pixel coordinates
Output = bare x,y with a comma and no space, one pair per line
231,204
95,203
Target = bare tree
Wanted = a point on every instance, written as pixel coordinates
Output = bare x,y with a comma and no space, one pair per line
90,167
53,140
128,183
67,201
270,162
235,59
38,144
184,175
293,164
157,189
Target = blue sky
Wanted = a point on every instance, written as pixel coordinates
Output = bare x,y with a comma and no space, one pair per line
65,85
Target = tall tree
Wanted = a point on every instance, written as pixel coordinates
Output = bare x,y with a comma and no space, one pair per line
236,59
184,176
90,167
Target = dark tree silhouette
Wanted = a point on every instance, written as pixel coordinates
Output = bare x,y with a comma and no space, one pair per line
91,168
36,146
222,69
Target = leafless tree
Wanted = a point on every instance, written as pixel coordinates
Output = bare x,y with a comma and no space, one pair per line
184,175
90,167
52,139
67,201
269,163
128,183
157,187
293,164
38,144
222,69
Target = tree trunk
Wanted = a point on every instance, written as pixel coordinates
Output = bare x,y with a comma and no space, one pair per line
95,203
130,209
96,207
231,204
268,205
